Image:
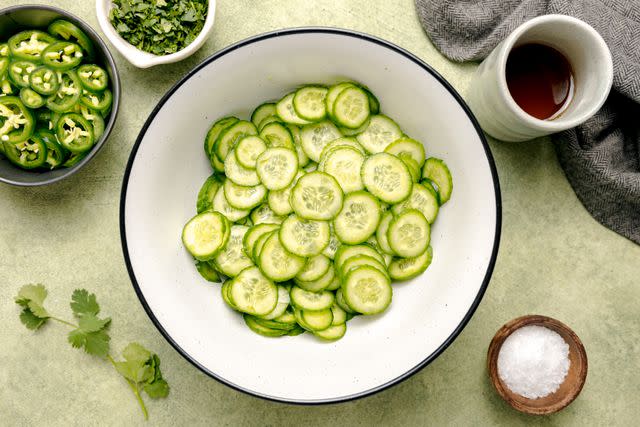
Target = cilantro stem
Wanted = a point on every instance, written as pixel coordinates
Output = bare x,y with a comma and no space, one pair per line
135,390
63,321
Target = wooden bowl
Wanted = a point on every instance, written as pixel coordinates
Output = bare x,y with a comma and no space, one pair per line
569,389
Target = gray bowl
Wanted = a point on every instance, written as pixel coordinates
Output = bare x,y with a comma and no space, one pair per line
15,19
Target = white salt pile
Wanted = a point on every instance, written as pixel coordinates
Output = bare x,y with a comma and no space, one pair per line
533,361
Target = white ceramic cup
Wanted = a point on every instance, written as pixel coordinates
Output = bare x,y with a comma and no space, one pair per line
591,63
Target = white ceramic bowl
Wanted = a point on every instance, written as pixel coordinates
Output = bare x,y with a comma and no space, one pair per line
143,59
167,167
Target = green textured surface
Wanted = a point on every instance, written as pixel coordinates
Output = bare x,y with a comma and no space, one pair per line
554,260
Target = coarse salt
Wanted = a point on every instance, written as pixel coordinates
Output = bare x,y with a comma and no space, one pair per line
533,361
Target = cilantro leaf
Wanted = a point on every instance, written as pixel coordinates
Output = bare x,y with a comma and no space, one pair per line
157,389
135,366
31,299
30,320
82,302
91,323
95,343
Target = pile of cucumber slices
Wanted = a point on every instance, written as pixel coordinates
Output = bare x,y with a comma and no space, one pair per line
315,206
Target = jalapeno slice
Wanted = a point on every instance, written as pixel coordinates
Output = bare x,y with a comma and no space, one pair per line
44,81
97,101
75,133
4,50
19,72
68,93
68,31
6,87
96,120
4,66
62,56
93,78
28,154
30,98
74,159
29,44
16,122
56,153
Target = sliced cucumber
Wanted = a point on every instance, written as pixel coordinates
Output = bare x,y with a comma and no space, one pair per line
241,197
406,145
345,164
367,290
317,320
263,111
386,177
279,200
318,285
303,159
334,244
408,268
304,237
347,132
315,137
342,142
335,283
254,233
220,204
317,196
251,292
224,291
279,312
308,102
208,271
412,166
339,315
276,262
232,259
287,316
358,219
248,149
423,199
332,333
381,233
360,260
205,234
312,301
259,329
277,135
333,93
381,132
436,171
215,131
231,135
286,112
257,247
268,120
315,267
217,165
345,252
264,215
277,167
207,193
409,233
268,323
374,104
239,174
351,108
342,303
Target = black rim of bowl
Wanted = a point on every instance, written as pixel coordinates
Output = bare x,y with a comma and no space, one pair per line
115,89
490,160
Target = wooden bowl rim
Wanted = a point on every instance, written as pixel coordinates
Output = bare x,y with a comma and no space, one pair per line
492,363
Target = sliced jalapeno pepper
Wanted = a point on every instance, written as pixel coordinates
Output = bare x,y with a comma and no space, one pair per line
4,50
19,72
68,93
75,133
29,44
68,31
97,101
6,87
74,159
31,98
44,81
4,66
96,120
62,56
56,153
93,78
16,122
28,154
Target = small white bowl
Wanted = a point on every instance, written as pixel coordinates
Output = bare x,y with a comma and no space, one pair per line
143,59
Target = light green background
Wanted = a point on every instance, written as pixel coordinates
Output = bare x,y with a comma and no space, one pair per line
554,259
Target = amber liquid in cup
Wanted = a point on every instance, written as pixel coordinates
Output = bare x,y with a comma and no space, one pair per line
540,80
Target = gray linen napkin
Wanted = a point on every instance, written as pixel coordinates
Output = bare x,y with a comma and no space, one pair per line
601,158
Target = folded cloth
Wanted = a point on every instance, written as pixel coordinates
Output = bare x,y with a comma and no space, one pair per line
601,158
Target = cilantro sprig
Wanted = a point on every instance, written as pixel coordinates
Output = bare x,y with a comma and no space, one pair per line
140,368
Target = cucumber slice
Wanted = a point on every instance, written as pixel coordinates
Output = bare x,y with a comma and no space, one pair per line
315,137
263,111
318,285
217,165
317,196
232,259
287,316
386,177
374,104
358,219
408,268
335,283
267,323
277,135
406,145
367,290
308,102
315,267
342,303
303,159
423,199
360,260
264,215
342,142
334,244
239,174
241,197
205,234
381,233
248,150
208,271
286,112
409,233
345,252
254,233
259,329
304,237
224,290
333,93
268,120
381,132
351,108
220,204
257,247
278,313
277,167
215,131
231,135
276,262
311,301
251,292
207,193
347,132
339,315
345,164
412,166
311,167
317,320
278,200
332,333
436,171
